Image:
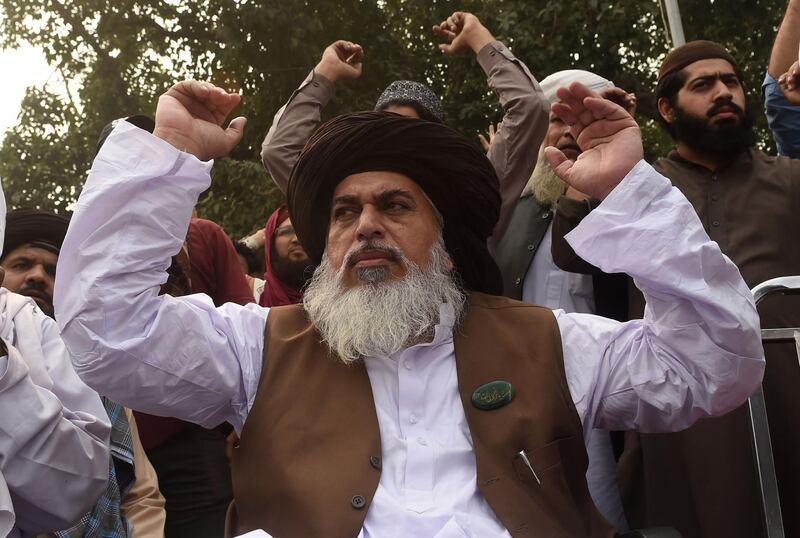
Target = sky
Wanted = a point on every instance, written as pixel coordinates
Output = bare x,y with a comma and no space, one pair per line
20,68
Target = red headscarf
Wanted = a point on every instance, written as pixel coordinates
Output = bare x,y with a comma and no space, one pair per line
276,292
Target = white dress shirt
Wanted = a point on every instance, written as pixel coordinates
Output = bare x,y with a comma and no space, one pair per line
546,284
54,429
696,352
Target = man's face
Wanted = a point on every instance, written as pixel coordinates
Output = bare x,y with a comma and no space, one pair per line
712,91
287,246
709,112
404,110
372,214
559,136
288,259
31,271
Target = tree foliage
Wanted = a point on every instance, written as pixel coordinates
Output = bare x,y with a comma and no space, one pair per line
121,54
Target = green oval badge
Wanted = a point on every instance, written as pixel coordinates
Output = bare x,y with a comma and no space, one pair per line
493,395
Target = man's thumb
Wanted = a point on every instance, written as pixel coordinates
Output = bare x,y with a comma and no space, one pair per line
235,130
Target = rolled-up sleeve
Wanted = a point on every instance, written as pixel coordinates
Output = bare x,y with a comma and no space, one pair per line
163,355
783,118
696,352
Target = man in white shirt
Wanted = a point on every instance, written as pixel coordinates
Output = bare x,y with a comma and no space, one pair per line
437,424
54,431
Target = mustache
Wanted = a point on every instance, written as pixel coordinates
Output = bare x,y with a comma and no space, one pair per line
35,291
392,253
733,107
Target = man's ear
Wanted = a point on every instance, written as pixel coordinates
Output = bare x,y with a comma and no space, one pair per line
666,110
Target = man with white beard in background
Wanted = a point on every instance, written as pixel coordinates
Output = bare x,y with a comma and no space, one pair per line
405,397
530,274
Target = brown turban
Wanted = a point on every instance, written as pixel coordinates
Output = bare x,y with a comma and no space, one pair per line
453,173
691,52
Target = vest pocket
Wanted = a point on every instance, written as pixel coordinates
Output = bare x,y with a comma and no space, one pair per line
541,460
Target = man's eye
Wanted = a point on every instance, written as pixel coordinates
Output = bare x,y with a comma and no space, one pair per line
343,212
397,206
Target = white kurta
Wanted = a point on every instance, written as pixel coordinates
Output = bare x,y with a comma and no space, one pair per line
54,429
696,352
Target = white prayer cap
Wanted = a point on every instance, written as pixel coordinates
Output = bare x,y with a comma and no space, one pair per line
564,78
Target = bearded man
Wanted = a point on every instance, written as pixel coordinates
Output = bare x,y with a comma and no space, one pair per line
702,481
287,266
530,274
404,396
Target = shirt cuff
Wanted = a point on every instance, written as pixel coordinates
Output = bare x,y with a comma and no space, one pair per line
135,151
319,87
575,209
492,54
3,365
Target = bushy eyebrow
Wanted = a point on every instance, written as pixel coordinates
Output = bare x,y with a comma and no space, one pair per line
382,198
715,76
387,195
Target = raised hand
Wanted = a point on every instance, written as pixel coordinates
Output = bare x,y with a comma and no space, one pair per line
488,142
790,83
190,115
609,136
341,60
462,31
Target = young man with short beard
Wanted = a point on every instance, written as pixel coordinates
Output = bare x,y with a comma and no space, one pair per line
702,480
287,266
470,416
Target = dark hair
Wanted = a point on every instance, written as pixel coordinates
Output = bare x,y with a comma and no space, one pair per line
668,88
252,260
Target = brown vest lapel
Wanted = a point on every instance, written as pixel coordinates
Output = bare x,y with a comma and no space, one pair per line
307,444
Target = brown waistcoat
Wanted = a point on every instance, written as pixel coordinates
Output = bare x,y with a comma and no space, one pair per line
310,448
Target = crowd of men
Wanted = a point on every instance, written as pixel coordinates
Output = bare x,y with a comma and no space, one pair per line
549,337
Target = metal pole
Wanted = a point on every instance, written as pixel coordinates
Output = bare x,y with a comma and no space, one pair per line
675,24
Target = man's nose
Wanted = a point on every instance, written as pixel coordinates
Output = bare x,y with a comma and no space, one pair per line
722,91
370,224
37,274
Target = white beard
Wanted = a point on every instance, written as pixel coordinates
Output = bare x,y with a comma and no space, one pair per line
381,316
545,185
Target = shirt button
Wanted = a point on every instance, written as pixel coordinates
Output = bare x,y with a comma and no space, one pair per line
375,461
413,418
422,441
407,365
714,197
358,502
546,215
715,223
517,281
531,246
